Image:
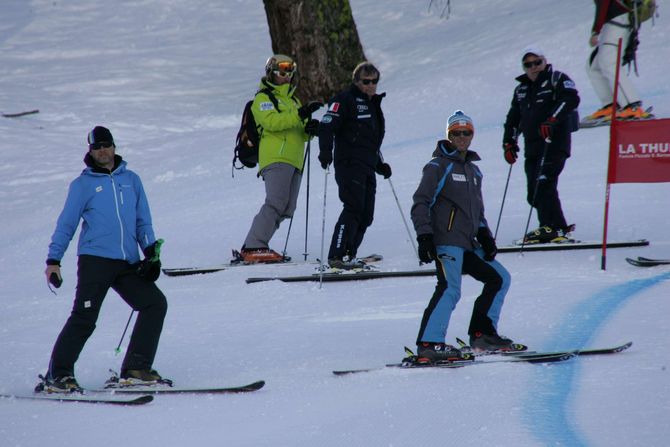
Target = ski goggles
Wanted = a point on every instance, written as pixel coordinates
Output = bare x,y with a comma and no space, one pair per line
101,145
284,68
458,133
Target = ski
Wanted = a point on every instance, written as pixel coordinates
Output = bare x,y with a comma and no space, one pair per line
345,276
84,398
408,363
646,262
185,271
571,245
16,115
255,386
588,124
579,352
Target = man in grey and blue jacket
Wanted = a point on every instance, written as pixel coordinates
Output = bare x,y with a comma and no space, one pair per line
448,216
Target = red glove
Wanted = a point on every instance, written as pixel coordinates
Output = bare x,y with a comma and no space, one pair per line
511,152
547,128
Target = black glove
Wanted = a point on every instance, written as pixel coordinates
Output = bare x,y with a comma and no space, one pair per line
325,158
427,251
309,108
312,128
150,267
547,128
384,169
485,238
511,152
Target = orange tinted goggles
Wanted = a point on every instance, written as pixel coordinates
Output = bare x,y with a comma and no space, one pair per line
286,67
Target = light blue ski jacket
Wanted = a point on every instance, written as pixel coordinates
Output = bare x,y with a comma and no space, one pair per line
115,214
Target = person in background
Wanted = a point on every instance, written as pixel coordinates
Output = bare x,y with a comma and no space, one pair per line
354,125
109,198
543,109
285,127
613,21
448,216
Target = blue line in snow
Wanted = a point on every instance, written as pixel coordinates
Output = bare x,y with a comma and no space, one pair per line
550,393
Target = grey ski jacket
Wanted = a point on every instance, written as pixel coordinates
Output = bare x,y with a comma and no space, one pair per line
448,202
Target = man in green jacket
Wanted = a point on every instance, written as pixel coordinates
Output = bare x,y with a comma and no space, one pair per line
285,126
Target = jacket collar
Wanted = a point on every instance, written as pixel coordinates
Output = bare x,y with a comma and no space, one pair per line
445,149
283,90
377,98
92,167
545,74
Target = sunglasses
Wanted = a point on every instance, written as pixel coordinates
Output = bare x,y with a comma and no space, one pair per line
102,145
458,133
369,81
535,63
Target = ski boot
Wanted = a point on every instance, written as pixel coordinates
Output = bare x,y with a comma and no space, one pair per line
438,352
546,234
493,344
62,384
634,112
257,256
136,378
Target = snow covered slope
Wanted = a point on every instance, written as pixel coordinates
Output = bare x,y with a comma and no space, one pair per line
170,78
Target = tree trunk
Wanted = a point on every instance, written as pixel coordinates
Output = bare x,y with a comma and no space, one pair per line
322,38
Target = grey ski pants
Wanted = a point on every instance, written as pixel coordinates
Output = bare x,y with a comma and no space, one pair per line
282,185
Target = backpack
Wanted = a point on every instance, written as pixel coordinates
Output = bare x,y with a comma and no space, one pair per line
248,137
573,117
641,11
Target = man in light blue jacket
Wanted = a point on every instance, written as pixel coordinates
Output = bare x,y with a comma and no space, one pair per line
110,200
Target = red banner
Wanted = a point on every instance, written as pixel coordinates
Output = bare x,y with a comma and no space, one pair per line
640,152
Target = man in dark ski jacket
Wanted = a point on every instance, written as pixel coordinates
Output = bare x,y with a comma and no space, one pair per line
110,200
354,123
448,216
542,109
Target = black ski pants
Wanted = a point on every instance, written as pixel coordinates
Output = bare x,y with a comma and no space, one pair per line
547,203
95,276
357,187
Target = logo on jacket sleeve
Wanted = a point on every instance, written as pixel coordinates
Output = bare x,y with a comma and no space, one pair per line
334,107
265,106
458,177
98,188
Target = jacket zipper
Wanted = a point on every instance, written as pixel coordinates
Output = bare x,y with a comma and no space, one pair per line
452,215
118,213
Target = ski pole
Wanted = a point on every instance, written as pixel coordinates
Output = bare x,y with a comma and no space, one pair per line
409,233
323,226
290,224
304,254
537,185
502,204
118,348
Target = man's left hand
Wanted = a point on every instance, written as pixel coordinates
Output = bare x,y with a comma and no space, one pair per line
488,243
150,267
384,169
